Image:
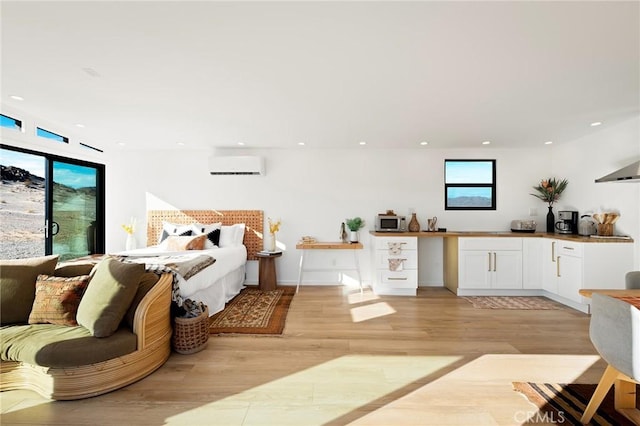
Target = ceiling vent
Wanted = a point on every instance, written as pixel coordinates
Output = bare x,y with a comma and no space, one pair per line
236,165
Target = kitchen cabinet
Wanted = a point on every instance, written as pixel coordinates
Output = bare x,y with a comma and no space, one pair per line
490,263
532,259
549,265
395,265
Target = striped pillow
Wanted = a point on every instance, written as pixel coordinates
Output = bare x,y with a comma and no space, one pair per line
57,299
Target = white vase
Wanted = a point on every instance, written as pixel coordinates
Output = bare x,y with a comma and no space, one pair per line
272,242
131,242
353,236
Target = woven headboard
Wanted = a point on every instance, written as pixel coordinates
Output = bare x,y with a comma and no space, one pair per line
254,220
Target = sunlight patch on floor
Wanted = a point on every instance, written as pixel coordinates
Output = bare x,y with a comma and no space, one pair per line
367,312
366,296
319,394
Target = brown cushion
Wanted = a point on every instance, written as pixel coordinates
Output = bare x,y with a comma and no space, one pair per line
108,296
180,243
57,299
75,269
148,280
18,286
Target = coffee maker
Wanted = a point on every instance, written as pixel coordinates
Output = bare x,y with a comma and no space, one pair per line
568,223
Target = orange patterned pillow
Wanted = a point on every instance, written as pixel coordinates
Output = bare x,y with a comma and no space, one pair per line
57,299
180,243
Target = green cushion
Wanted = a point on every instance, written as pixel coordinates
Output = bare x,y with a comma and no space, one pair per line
18,286
74,269
148,280
50,345
108,296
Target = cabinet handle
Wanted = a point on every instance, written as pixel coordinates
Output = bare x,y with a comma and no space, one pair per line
495,261
558,267
489,270
397,279
567,248
553,251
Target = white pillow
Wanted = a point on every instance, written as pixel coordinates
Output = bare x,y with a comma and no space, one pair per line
174,229
210,229
232,235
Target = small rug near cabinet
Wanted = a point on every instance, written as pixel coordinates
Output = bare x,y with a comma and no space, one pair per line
565,404
254,312
512,302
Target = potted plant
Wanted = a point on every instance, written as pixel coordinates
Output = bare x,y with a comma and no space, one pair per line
354,226
549,191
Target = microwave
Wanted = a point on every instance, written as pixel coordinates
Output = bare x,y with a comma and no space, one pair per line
388,223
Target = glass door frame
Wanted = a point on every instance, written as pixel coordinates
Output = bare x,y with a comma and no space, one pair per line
48,197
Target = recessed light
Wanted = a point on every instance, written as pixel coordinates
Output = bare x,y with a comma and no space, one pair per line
180,143
595,123
17,98
363,143
121,143
486,143
423,143
548,142
240,143
80,125
301,143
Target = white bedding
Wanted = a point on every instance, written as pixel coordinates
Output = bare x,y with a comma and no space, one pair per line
208,281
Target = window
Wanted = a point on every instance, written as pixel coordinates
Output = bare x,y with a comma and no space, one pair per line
10,122
50,205
470,184
50,135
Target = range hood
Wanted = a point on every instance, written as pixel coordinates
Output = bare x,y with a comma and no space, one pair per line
631,173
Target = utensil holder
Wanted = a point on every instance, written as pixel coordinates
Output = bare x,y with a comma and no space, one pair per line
605,229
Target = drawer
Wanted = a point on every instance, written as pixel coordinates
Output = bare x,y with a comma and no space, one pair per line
382,259
489,244
568,248
405,243
399,279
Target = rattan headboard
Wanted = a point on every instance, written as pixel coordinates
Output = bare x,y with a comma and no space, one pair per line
254,219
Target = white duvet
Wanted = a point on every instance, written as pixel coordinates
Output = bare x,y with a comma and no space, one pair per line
227,259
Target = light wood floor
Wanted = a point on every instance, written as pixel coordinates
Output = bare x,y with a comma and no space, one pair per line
346,358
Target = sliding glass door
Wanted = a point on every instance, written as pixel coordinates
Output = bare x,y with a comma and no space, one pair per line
50,205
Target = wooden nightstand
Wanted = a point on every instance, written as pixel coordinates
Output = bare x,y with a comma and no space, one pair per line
267,279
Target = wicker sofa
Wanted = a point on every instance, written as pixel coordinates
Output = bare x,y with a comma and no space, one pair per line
55,360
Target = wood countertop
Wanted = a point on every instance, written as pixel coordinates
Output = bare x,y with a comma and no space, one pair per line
503,234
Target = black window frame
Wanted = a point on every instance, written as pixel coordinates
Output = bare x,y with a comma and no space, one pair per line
99,243
18,123
63,139
492,185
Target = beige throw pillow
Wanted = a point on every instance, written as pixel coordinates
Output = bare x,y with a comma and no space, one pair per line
108,296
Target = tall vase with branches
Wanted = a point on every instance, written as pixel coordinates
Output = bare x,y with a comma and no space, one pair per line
549,191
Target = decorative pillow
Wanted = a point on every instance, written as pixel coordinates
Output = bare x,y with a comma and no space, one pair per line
108,296
211,230
232,235
18,286
57,299
169,229
178,243
148,280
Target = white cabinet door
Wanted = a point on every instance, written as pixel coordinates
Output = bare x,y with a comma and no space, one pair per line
474,269
570,277
550,265
532,260
507,269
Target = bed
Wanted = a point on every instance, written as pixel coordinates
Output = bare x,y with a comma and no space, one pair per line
217,283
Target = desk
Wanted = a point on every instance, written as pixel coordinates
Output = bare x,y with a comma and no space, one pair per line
267,279
328,246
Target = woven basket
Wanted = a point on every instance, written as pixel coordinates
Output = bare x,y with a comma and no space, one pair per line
190,335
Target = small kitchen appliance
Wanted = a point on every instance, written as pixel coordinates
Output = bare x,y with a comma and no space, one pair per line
587,226
523,226
568,223
391,223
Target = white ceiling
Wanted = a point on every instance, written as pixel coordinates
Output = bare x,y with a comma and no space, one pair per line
329,74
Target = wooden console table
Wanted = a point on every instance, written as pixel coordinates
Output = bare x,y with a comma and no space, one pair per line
328,246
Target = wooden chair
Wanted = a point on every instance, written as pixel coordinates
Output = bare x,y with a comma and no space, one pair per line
615,333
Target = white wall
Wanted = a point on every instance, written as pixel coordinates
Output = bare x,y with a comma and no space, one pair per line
586,159
313,191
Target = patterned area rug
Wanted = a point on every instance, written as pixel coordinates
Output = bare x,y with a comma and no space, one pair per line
254,312
512,302
565,404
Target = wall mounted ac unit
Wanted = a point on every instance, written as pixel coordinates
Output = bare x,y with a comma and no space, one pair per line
236,165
